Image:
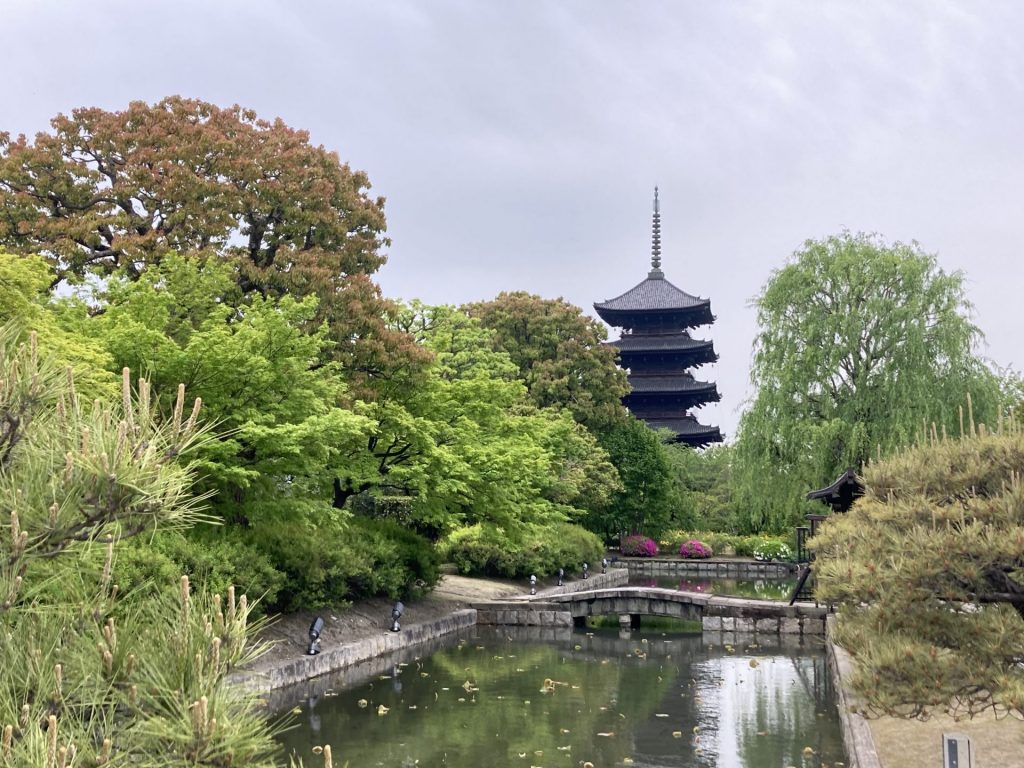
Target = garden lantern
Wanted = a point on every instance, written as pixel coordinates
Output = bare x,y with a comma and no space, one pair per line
314,636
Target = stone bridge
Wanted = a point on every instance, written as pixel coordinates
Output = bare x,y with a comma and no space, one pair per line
729,614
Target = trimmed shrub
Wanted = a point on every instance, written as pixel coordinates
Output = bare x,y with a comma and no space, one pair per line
638,546
488,550
333,563
772,549
214,558
694,549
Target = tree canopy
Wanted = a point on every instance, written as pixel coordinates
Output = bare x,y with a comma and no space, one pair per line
929,569
560,355
116,192
862,344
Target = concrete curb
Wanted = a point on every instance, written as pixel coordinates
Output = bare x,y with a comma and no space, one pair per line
860,744
263,680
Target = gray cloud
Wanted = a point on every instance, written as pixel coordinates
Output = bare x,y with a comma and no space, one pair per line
517,142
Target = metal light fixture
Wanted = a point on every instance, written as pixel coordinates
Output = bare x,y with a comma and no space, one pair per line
533,585
586,570
314,636
561,575
396,614
604,565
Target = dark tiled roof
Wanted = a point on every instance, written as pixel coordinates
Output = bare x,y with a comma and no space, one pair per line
677,383
654,293
668,342
688,430
682,426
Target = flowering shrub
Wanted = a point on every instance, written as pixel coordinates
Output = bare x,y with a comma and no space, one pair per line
694,549
772,550
639,546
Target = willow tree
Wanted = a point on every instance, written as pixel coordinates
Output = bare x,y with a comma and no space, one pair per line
929,570
862,345
90,675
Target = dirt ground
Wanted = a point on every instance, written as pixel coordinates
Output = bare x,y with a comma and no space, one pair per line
915,744
289,634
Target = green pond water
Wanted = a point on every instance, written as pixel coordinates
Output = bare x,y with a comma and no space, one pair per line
550,698
762,589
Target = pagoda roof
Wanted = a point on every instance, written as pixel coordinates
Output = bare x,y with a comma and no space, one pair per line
687,429
681,382
667,342
653,294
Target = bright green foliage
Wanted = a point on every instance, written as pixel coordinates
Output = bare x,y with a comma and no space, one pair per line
648,495
487,550
25,298
929,569
484,453
90,675
862,346
267,384
706,490
560,355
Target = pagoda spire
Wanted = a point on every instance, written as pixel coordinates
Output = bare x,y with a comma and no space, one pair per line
656,239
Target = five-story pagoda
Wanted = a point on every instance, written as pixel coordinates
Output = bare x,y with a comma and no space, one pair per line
658,352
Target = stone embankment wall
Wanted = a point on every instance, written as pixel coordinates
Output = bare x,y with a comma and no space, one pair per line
860,744
711,568
261,680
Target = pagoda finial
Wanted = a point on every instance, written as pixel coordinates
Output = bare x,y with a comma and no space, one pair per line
656,236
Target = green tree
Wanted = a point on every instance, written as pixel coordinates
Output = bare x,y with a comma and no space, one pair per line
90,675
492,455
706,488
648,495
560,354
266,380
25,298
929,570
107,192
862,345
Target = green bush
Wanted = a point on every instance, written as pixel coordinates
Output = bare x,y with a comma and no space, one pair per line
773,549
333,563
729,543
215,558
487,550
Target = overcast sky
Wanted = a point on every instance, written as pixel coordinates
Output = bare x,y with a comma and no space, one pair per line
517,143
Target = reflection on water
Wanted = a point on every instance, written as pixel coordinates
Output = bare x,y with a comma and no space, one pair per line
503,697
762,589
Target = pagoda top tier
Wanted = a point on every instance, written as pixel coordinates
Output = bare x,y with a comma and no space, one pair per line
655,302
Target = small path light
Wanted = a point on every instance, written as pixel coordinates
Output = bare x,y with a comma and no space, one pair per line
314,636
586,570
533,585
604,565
561,576
396,614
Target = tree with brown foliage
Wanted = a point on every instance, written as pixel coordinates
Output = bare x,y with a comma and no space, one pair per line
109,192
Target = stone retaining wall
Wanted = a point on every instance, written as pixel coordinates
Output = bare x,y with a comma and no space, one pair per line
261,680
713,567
860,744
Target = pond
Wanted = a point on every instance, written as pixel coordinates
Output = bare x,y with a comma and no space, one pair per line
762,589
518,696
